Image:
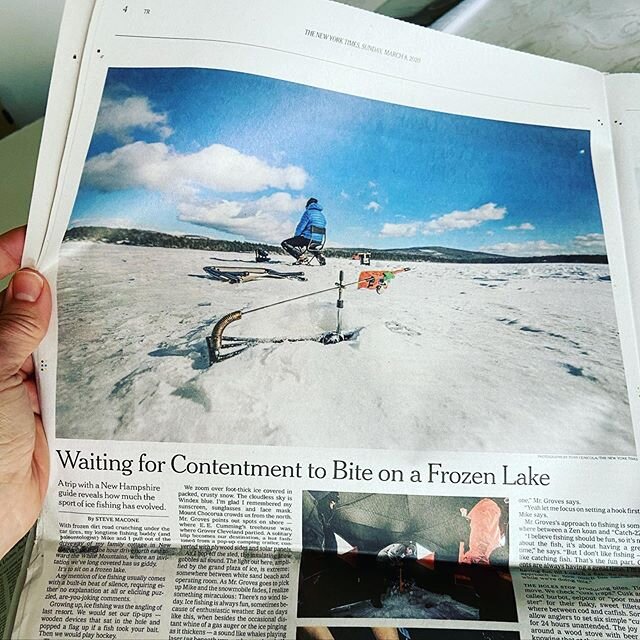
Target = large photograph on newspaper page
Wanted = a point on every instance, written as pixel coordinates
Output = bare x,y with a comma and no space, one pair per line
254,260
385,556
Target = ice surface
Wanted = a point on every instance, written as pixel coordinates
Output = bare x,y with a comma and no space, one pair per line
518,358
416,604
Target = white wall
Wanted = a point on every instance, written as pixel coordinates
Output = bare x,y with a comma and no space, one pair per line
28,35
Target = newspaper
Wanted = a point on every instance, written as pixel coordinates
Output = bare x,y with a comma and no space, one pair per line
424,428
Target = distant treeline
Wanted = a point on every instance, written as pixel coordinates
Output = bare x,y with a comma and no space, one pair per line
145,238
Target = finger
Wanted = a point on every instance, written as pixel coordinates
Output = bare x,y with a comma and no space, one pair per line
23,320
32,391
11,246
27,366
40,464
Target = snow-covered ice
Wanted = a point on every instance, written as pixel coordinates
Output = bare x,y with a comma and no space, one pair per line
477,357
417,604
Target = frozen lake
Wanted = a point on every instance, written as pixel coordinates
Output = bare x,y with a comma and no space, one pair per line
517,357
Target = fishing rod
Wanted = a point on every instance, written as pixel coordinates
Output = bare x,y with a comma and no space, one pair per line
373,280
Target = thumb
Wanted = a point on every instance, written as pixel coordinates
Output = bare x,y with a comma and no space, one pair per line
23,320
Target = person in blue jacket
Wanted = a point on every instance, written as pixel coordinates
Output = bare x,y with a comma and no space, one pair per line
310,231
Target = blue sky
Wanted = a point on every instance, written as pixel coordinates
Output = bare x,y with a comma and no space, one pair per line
235,156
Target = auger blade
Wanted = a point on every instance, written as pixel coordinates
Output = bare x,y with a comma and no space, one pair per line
218,356
214,341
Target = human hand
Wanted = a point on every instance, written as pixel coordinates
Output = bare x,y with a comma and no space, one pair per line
25,308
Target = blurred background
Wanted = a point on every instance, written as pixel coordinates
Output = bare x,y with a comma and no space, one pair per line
594,33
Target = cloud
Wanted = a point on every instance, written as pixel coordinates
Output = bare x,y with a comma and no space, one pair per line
589,243
466,219
344,195
371,184
400,229
119,117
373,206
158,167
267,219
525,226
448,222
530,248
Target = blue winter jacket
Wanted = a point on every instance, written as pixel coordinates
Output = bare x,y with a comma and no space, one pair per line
312,216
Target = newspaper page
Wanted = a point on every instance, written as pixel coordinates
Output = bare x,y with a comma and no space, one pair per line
623,94
424,428
71,41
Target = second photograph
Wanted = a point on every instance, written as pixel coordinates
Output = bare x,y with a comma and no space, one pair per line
369,555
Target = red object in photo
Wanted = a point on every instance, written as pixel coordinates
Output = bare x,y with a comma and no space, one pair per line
350,557
346,551
370,279
425,557
485,535
378,280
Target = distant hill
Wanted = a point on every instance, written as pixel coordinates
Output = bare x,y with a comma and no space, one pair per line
145,238
424,254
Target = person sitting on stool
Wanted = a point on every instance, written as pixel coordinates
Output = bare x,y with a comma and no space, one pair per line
305,234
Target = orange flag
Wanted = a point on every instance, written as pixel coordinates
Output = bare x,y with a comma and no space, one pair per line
377,280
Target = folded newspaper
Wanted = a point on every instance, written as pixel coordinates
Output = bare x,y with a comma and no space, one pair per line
346,339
